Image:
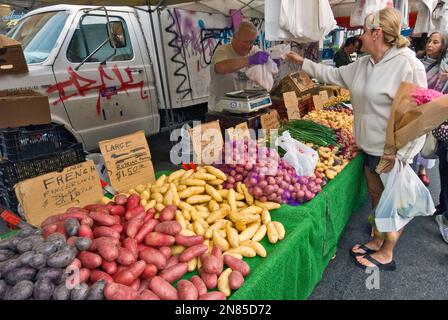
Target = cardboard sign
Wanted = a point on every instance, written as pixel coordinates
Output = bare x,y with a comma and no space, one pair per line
318,103
241,131
12,59
345,92
55,192
128,161
270,120
324,96
292,105
207,142
22,108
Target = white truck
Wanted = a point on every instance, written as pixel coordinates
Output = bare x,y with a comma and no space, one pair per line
160,62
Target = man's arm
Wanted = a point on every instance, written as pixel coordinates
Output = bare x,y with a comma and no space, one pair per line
231,65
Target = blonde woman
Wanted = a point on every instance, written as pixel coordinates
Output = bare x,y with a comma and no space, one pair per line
373,81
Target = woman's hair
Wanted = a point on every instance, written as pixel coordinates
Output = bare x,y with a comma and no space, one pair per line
443,49
389,21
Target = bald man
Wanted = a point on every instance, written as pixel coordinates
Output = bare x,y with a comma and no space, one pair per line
230,62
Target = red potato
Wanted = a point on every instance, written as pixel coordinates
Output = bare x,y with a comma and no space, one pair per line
188,241
77,210
102,219
175,272
150,213
187,291
104,210
75,264
117,227
141,247
49,229
110,267
102,231
163,289
96,275
133,226
210,280
173,260
143,285
199,284
150,271
126,257
215,295
130,274
61,229
88,221
71,241
168,213
107,249
116,291
110,205
153,256
121,199
62,217
85,231
211,264
137,211
217,252
236,280
136,284
117,210
193,252
157,239
169,227
84,275
166,251
131,245
132,202
89,260
146,228
237,264
94,207
147,295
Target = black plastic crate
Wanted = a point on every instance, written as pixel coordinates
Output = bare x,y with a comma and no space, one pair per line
29,142
9,201
14,172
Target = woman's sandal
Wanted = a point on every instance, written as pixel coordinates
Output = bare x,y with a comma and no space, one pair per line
391,266
366,249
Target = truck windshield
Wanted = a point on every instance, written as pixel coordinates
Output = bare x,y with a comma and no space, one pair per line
38,34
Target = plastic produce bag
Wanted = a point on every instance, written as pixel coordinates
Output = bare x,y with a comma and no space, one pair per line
300,156
279,51
404,197
263,74
363,8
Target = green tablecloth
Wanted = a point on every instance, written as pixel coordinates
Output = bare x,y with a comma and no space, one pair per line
294,266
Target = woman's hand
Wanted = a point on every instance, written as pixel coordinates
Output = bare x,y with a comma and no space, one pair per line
390,159
294,57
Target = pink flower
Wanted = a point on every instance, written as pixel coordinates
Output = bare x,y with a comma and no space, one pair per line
422,96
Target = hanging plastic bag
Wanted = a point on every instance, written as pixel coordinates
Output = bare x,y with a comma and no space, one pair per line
300,156
263,74
363,8
280,51
404,197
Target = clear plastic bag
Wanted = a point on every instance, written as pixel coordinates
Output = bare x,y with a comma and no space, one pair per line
404,197
300,156
263,74
279,51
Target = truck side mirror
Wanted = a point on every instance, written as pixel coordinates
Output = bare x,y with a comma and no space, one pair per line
117,37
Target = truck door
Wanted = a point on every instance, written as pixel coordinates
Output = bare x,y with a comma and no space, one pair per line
108,95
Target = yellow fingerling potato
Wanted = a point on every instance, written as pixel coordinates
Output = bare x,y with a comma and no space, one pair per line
249,198
192,264
232,237
145,195
176,175
258,247
181,188
204,176
159,207
216,182
238,187
239,196
151,204
249,232
140,188
244,251
216,172
213,205
232,200
198,228
186,206
187,175
235,255
250,210
260,234
265,217
143,202
220,241
224,193
198,199
177,249
194,182
168,199
216,226
216,215
280,230
272,233
181,220
160,181
191,191
241,204
224,283
213,193
158,197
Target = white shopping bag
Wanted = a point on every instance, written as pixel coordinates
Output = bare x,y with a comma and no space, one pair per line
300,156
263,74
404,197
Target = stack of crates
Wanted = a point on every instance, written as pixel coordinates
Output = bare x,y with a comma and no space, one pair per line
27,152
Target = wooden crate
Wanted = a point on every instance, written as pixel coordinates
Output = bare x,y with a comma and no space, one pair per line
299,82
305,105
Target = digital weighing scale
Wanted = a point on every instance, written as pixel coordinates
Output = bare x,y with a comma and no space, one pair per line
244,101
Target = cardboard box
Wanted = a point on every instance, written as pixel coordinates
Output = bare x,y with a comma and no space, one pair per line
128,161
207,141
55,192
23,108
12,60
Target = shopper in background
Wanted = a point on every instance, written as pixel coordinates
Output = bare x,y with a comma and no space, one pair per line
373,81
342,57
230,63
435,51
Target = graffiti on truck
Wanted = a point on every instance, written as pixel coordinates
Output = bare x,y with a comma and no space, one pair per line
194,37
78,85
